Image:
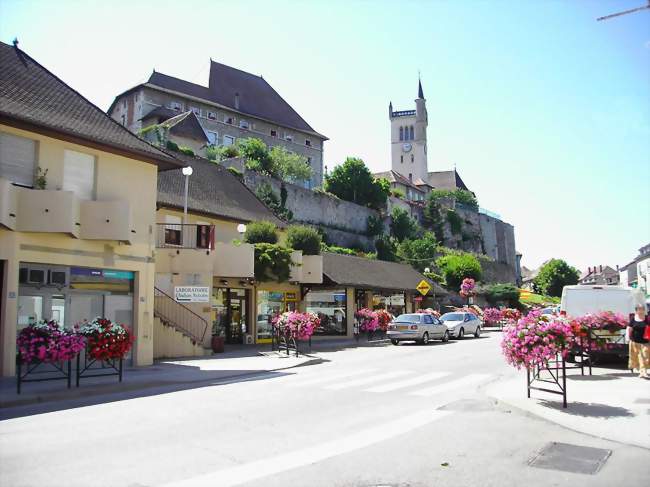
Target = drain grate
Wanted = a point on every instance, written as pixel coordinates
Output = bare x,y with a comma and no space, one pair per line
570,458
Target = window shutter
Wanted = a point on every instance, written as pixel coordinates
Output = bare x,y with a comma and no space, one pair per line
17,159
79,174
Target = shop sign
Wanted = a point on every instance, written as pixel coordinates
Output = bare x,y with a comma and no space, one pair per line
192,294
291,296
423,287
397,300
110,274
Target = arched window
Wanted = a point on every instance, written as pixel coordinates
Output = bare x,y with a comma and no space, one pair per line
411,137
401,133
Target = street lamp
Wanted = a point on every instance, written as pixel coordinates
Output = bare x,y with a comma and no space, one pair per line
241,228
187,172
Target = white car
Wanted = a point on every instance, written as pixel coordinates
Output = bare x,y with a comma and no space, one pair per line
421,327
460,323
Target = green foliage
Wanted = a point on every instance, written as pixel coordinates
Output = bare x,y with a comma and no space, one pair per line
374,226
456,267
352,181
338,250
553,276
289,166
236,172
40,181
439,278
261,232
386,249
398,193
455,222
461,196
256,154
266,194
272,262
171,145
506,294
213,153
421,252
186,150
307,239
402,226
229,151
433,218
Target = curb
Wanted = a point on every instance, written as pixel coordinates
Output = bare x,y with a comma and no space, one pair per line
81,393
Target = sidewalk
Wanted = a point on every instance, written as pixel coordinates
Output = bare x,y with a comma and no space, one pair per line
171,374
611,404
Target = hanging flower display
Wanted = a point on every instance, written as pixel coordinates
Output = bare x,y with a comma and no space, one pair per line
511,315
467,287
47,341
300,326
592,325
368,319
492,316
384,318
535,339
106,340
429,311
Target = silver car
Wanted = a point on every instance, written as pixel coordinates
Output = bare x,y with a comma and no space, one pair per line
460,323
421,327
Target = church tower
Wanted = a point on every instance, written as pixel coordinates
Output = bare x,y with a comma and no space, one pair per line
408,134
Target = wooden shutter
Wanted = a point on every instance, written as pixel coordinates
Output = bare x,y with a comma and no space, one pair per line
17,159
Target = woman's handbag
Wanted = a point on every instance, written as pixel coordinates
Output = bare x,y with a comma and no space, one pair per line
646,332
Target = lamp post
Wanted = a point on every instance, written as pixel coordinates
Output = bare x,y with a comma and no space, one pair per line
241,228
187,172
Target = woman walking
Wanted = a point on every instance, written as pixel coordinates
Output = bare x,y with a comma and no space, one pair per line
639,346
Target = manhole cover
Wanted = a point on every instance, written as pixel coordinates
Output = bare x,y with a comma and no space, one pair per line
570,458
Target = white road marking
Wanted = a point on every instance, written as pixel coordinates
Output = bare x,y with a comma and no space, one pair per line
455,384
327,378
401,384
248,472
368,379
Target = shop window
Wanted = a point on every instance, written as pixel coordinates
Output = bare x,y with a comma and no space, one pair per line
17,159
331,308
79,174
30,310
269,305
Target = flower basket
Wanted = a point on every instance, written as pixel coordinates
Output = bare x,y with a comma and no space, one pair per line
368,319
492,316
107,344
467,287
429,311
297,325
384,318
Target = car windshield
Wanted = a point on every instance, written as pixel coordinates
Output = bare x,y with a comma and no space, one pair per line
408,319
452,317
547,311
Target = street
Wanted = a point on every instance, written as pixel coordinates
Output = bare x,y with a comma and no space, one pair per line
401,416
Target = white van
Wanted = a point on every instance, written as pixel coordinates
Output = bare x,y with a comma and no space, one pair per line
583,299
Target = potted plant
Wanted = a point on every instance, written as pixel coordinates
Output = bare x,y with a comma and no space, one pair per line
218,338
48,342
106,340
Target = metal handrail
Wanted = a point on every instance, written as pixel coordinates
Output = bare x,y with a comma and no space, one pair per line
179,316
184,236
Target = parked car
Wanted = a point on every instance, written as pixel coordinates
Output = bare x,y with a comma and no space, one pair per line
551,310
421,327
460,323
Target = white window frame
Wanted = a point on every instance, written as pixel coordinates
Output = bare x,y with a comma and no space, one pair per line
243,124
20,170
176,105
288,137
216,137
229,137
212,115
196,111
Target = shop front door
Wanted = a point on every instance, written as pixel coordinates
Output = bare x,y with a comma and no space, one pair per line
237,323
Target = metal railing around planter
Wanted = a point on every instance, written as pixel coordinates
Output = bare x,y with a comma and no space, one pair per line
184,236
178,316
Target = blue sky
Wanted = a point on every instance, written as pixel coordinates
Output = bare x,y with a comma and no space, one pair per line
544,111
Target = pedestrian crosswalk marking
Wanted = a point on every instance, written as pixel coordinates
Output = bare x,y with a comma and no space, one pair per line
367,380
465,381
401,384
326,378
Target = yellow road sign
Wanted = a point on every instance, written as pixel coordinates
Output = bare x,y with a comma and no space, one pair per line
424,287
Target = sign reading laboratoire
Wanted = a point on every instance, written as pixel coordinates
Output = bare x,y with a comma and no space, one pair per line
192,294
424,287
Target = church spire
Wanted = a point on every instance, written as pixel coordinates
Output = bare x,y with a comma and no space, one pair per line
420,92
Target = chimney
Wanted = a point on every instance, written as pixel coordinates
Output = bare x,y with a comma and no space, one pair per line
236,101
616,267
601,269
588,270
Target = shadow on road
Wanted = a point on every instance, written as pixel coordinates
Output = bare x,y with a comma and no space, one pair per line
591,410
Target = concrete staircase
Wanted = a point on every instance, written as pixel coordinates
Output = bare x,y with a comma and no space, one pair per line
169,342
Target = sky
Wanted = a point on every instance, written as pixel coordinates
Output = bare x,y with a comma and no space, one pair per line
544,111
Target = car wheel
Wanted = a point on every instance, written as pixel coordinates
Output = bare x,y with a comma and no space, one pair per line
477,333
425,338
395,342
445,337
461,333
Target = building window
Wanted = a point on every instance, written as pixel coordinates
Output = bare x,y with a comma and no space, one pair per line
308,142
309,161
79,174
411,133
229,120
243,124
274,133
410,177
17,159
123,120
196,110
289,137
412,158
401,133
401,159
269,305
212,116
213,137
228,140
176,105
173,230
331,308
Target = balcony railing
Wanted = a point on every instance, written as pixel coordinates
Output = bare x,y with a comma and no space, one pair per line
184,236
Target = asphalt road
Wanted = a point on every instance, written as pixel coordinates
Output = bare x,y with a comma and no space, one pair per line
409,415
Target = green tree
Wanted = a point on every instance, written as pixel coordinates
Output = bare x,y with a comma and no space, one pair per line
261,232
307,239
256,154
375,226
433,219
553,276
462,196
402,226
386,249
507,294
420,252
277,205
456,267
289,166
352,181
272,262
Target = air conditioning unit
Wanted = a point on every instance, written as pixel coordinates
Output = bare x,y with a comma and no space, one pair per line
36,275
249,339
58,277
